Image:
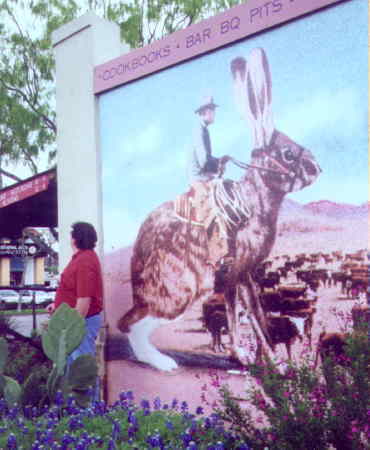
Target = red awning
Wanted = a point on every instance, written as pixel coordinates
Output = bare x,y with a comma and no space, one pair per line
29,203
24,189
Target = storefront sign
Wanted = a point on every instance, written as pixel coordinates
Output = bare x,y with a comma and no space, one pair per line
16,249
24,190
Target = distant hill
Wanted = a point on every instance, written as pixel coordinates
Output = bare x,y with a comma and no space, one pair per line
337,210
322,224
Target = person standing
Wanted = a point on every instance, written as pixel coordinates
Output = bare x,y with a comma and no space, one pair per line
81,286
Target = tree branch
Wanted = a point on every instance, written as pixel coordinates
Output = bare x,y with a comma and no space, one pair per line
9,175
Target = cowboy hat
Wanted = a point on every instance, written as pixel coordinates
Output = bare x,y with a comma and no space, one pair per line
207,103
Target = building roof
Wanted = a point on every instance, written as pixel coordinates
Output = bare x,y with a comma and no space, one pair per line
30,203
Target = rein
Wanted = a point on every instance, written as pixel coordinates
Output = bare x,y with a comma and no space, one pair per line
280,170
243,165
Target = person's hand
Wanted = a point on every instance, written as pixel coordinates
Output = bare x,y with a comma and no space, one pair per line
50,308
225,159
222,164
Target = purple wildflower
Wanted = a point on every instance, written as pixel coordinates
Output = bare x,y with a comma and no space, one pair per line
184,406
145,404
131,418
116,430
111,445
186,438
155,440
157,403
59,398
75,423
12,442
199,410
132,429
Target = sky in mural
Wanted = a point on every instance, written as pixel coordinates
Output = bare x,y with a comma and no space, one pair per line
319,87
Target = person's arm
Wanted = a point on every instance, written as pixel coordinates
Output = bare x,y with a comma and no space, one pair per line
199,150
82,305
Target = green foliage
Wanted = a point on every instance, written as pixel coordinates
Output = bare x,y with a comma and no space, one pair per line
308,408
27,66
121,426
65,332
9,387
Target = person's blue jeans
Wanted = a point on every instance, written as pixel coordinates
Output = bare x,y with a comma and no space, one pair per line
88,345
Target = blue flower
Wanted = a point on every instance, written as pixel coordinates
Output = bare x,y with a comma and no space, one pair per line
192,446
184,406
155,440
12,442
169,425
116,430
131,418
129,395
243,447
111,445
132,429
36,445
186,438
74,424
199,410
175,402
145,404
59,398
157,403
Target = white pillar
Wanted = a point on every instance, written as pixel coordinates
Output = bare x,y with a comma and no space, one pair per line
79,46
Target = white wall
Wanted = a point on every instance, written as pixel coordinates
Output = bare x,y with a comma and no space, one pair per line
79,46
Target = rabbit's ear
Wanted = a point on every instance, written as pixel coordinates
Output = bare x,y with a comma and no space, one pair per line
258,86
238,68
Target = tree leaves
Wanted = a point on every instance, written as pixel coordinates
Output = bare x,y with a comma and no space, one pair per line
27,66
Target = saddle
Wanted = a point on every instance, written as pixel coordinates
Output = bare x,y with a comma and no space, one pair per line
197,208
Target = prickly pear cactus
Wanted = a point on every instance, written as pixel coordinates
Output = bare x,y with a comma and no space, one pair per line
9,388
65,331
64,334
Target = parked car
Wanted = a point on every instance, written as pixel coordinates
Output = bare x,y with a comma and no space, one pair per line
44,298
26,296
9,296
9,299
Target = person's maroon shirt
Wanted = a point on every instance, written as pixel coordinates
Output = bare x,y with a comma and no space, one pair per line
82,278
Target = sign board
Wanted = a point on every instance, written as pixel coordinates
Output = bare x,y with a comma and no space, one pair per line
236,23
25,189
12,248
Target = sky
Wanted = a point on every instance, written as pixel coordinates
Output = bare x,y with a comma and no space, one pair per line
319,73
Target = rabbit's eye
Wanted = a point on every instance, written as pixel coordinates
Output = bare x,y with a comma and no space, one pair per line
288,155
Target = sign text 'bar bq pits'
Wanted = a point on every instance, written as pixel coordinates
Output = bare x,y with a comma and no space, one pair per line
236,23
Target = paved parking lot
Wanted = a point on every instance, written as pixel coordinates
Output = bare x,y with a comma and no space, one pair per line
24,324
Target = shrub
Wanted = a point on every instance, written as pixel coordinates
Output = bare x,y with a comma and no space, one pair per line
309,408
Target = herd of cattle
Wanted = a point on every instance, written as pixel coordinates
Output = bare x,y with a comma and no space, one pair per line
288,290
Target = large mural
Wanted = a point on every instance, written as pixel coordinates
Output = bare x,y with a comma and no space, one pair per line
235,205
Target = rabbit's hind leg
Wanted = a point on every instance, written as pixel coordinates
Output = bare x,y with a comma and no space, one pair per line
139,337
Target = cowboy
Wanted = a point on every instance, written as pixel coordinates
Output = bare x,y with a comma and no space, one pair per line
202,165
204,169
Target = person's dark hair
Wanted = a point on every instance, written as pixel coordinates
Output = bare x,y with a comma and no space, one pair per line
84,235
